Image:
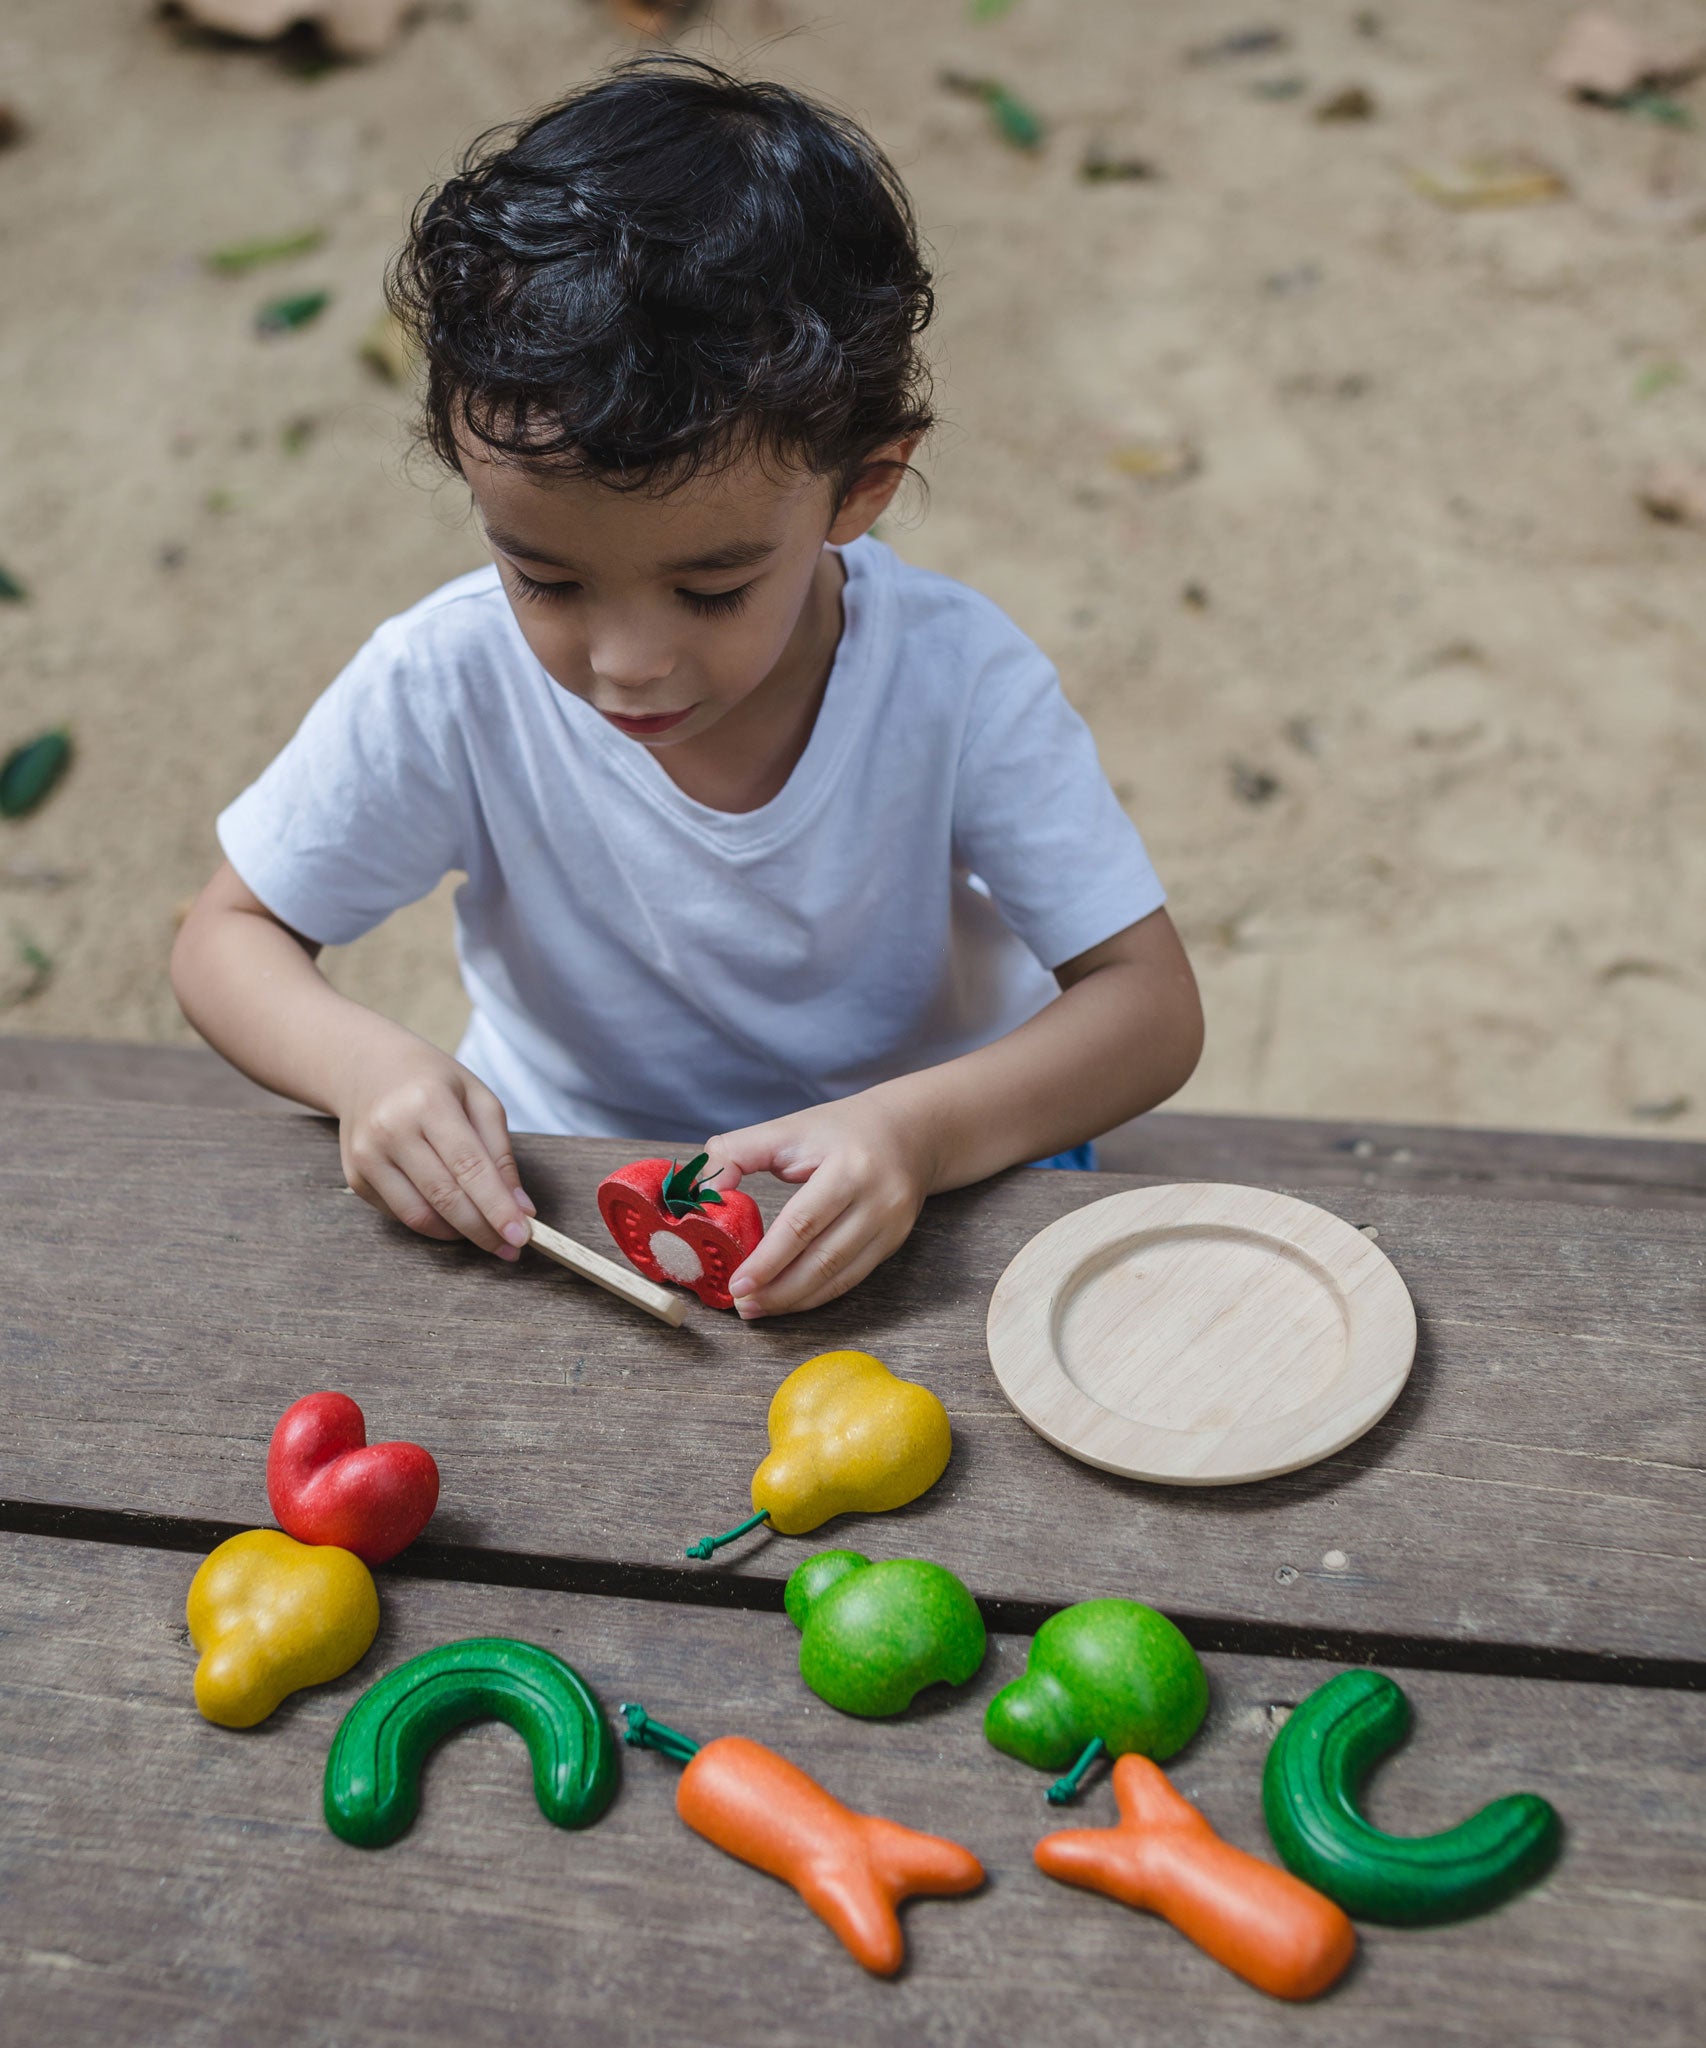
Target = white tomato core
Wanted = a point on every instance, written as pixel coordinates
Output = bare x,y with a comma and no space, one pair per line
677,1257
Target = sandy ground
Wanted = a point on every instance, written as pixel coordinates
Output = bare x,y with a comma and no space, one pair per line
1402,686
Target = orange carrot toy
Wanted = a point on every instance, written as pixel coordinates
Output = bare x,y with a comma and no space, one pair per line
852,1869
1266,1925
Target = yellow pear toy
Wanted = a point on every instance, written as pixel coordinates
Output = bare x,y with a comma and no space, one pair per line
846,1437
271,1615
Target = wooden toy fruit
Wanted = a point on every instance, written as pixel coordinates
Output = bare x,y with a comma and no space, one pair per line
852,1869
269,1616
1108,1676
1310,1788
374,1768
1163,1857
846,1437
328,1484
873,1635
674,1226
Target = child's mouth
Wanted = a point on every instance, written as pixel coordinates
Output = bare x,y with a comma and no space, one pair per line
644,728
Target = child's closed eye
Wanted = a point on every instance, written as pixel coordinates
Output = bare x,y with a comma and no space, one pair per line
542,593
710,604
717,604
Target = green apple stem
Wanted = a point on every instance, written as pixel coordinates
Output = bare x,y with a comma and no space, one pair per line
645,1733
707,1544
1064,1789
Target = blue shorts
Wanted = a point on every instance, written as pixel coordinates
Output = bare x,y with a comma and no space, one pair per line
1081,1157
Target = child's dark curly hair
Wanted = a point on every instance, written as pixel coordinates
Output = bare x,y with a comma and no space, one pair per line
668,268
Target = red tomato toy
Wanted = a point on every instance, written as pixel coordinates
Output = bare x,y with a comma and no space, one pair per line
328,1484
674,1226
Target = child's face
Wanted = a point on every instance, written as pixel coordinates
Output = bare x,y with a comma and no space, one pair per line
665,611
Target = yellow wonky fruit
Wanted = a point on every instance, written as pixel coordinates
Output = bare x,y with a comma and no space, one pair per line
847,1437
271,1615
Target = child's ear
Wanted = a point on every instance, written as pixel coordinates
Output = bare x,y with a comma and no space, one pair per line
869,493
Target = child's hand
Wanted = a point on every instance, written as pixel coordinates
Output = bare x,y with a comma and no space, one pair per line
423,1141
866,1170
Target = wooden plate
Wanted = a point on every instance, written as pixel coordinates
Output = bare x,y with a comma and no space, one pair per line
1201,1335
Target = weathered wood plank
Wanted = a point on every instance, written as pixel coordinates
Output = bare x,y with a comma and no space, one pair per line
1265,1151
1293,1152
164,1880
1268,1152
113,1070
173,1280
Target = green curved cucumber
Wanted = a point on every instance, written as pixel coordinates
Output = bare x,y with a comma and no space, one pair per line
1314,1776
373,1772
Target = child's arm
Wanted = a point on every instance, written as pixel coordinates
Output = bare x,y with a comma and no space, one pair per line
1123,1035
421,1138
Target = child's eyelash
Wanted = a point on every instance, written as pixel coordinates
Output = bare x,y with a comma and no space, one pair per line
710,604
546,593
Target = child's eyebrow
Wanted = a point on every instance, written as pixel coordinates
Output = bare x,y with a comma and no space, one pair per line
737,554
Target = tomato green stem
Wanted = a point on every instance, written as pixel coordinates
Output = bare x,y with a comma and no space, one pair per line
1064,1789
707,1544
645,1733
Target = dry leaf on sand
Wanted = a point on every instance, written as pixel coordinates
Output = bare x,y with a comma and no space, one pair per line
1503,178
1164,461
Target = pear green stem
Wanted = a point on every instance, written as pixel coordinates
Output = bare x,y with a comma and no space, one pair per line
645,1733
707,1544
1064,1789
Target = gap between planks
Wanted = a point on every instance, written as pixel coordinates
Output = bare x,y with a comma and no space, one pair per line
681,1586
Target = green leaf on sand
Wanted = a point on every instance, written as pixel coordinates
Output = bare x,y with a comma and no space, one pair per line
29,772
284,316
237,259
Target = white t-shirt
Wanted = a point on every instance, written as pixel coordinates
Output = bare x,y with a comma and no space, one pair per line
643,966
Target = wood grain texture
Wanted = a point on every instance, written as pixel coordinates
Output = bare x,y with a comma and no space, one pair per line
1307,1152
100,1070
1266,1151
173,1280
1201,1334
163,1880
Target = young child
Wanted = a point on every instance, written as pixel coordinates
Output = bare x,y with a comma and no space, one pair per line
771,843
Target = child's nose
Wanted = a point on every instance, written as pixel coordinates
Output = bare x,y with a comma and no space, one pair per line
629,661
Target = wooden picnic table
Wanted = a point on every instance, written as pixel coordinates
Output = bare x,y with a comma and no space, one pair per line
1514,1542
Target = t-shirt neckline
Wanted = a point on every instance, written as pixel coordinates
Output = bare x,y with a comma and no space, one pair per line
755,832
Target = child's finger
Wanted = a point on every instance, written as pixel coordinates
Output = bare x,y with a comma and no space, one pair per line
835,1261
435,1180
486,1114
761,1148
802,1219
455,1139
388,1189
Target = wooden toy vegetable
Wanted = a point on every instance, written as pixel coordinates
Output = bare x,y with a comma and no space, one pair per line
661,1216
873,1635
852,1869
1163,1857
846,1437
1310,1788
1105,1677
269,1616
328,1484
374,1768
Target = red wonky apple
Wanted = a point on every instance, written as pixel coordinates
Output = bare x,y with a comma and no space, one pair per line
674,1226
328,1484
